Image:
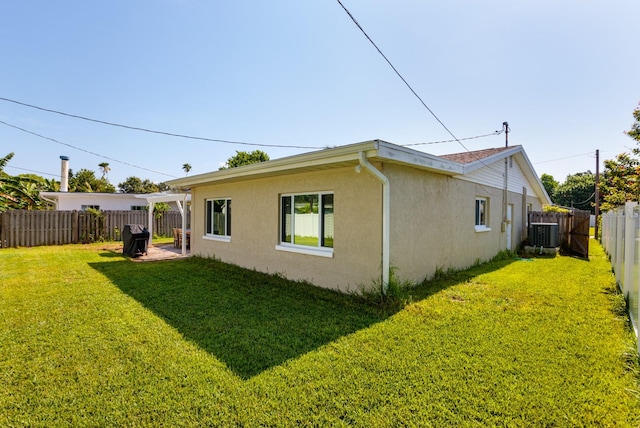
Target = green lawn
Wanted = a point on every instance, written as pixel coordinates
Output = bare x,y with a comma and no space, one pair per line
89,338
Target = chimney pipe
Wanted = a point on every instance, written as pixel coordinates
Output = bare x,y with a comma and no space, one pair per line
64,174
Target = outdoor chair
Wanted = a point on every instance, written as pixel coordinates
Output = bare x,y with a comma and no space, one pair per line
177,235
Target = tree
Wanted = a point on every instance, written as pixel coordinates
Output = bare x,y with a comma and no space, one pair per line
136,185
245,158
86,181
620,181
5,160
22,192
104,168
578,191
635,129
550,184
186,167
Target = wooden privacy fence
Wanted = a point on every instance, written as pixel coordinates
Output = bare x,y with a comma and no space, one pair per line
573,229
22,228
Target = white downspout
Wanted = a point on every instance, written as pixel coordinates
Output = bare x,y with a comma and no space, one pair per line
386,209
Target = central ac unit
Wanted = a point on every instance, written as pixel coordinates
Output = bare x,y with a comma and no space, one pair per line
543,235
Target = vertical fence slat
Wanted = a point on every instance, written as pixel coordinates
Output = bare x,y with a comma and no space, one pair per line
621,241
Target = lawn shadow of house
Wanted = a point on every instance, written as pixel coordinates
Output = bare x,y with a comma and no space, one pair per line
250,320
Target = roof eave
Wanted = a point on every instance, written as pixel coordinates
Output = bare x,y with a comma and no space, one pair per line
375,150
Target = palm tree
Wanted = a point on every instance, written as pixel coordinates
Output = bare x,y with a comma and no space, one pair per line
104,167
186,167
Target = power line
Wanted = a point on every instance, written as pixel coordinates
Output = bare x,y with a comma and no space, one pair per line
400,75
86,151
566,157
457,140
170,134
30,170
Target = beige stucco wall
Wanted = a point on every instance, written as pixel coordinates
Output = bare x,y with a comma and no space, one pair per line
433,222
255,207
432,225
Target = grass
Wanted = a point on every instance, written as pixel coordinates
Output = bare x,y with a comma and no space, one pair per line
88,338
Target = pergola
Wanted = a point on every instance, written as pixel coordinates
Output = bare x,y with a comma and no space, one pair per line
181,201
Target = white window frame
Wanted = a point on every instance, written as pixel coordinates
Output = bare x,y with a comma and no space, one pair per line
138,207
208,224
480,225
298,248
87,207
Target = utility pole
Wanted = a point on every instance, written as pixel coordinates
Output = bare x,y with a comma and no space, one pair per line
597,191
505,126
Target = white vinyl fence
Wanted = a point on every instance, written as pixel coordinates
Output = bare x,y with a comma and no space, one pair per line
621,241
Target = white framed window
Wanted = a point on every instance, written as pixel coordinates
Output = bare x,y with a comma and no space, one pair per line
306,223
138,207
218,219
90,207
482,214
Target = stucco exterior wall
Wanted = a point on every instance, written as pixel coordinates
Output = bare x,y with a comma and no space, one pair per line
255,223
433,222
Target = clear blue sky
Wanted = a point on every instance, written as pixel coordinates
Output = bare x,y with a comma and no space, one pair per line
564,74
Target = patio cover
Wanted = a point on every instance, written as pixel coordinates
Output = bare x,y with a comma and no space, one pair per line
181,201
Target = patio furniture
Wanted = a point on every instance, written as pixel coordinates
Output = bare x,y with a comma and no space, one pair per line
134,240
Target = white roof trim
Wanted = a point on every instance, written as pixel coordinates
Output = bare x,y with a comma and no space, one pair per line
376,151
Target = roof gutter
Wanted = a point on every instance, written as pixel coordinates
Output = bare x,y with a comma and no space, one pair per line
386,209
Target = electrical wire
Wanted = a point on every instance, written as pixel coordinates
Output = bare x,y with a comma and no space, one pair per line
30,170
451,141
151,131
86,151
586,200
566,157
400,75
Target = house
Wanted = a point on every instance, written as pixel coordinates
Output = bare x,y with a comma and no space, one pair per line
342,217
81,201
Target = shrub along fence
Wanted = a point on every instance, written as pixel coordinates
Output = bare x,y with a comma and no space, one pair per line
24,228
621,241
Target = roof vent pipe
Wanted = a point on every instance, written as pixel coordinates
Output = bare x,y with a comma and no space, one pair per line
64,173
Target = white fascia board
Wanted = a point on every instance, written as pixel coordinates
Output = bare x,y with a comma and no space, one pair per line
306,160
81,195
532,176
375,150
173,197
418,159
470,167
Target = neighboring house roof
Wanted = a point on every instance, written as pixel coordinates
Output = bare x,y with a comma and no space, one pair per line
469,157
376,151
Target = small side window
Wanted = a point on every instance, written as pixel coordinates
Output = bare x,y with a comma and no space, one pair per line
482,214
